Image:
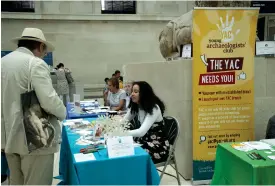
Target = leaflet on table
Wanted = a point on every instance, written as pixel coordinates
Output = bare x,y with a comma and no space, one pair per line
242,147
90,101
86,122
75,121
90,140
269,141
271,157
91,111
84,132
84,142
120,146
68,123
80,157
258,145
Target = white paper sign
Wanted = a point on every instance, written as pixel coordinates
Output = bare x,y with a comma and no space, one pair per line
120,146
186,51
77,107
265,47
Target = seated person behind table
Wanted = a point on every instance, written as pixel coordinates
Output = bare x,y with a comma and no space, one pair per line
116,97
146,111
128,88
105,90
270,130
120,79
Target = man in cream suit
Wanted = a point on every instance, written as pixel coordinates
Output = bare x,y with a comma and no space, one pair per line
35,168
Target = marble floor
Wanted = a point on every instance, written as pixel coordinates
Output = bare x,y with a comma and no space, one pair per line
168,180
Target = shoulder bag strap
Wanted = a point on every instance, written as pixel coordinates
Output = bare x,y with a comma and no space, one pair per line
30,74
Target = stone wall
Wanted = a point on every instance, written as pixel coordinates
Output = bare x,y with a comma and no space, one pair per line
93,45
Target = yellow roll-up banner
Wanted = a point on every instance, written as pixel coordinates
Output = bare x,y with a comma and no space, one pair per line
223,82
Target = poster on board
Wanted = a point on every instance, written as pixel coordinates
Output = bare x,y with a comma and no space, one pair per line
223,82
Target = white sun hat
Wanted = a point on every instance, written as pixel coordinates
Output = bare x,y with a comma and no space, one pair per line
34,34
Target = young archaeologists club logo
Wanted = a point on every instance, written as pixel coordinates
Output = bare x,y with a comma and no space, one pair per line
228,33
226,29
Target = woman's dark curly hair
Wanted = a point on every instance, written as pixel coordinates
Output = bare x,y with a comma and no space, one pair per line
60,65
147,99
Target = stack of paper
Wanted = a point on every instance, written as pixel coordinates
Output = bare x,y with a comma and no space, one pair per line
75,121
258,145
86,122
269,141
90,101
83,132
96,111
242,147
68,123
271,157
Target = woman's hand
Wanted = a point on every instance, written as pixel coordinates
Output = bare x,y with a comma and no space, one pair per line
67,70
98,132
121,113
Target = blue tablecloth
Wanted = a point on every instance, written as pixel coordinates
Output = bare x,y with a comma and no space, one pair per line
71,114
131,170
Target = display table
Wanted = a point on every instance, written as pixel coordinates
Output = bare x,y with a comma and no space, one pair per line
71,114
233,167
131,170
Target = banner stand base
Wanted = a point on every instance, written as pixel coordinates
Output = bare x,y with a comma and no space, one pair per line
201,182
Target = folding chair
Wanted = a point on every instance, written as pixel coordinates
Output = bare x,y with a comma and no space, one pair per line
172,128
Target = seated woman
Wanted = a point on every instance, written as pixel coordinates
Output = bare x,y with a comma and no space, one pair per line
146,112
128,88
105,90
116,98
